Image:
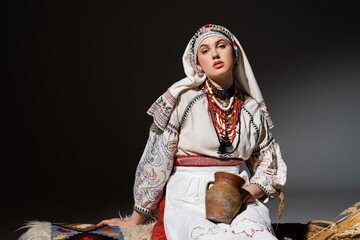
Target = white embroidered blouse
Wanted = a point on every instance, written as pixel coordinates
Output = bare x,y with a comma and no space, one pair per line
190,131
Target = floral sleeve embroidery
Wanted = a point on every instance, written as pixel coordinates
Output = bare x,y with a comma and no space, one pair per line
154,167
266,165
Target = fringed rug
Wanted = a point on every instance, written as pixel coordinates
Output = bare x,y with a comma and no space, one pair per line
79,231
345,226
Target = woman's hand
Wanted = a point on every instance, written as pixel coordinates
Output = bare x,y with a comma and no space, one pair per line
116,222
250,193
135,219
246,196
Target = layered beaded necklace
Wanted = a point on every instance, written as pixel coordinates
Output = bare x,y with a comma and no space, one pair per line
224,116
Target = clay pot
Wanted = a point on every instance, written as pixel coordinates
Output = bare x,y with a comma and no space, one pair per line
223,199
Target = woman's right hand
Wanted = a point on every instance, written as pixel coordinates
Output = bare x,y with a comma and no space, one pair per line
135,219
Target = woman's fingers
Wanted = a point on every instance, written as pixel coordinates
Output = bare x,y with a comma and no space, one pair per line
100,223
103,222
108,222
116,222
247,197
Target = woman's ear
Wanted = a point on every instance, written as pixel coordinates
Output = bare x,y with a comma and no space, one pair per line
198,67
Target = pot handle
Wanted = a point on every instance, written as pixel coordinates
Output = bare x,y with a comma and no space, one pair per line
208,184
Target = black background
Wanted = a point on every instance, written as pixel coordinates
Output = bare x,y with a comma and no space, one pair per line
80,75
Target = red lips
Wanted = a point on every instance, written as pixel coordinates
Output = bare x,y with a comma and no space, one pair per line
218,64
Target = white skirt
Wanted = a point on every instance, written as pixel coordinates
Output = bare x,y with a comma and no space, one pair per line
184,216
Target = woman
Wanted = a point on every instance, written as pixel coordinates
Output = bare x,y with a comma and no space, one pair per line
213,120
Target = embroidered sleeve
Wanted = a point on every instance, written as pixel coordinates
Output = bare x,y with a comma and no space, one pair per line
266,165
154,167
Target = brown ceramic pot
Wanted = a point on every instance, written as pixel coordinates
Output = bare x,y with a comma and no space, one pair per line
223,199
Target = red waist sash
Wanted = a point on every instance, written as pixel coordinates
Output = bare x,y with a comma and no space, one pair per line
202,161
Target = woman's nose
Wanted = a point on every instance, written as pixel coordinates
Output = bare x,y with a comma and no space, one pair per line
215,54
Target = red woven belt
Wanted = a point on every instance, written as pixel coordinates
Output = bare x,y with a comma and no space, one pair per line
201,161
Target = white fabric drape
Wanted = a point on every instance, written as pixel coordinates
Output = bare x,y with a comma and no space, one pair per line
184,215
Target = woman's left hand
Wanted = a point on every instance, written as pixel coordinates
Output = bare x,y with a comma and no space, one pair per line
250,193
246,196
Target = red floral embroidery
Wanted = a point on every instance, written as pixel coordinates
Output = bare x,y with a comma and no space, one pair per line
245,229
152,174
264,163
240,227
197,232
171,146
274,177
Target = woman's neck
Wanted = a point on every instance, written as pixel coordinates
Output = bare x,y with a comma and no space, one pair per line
222,82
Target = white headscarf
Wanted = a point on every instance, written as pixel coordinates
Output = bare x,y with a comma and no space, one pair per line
162,108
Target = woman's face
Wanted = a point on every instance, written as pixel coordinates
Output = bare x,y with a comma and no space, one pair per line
215,57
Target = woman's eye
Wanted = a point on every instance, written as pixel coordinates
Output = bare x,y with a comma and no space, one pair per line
221,46
204,51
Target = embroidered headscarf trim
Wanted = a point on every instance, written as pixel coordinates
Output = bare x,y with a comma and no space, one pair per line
207,31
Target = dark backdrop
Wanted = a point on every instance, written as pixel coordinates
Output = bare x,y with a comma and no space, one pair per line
80,75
